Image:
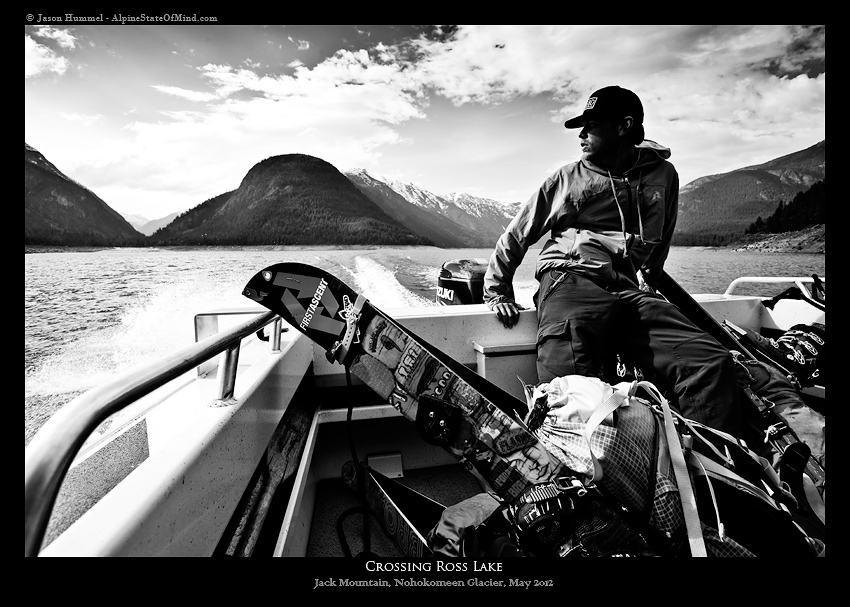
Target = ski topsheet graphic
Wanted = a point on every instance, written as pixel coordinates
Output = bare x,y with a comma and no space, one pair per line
451,405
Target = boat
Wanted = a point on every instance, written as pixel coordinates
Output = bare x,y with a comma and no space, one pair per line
238,444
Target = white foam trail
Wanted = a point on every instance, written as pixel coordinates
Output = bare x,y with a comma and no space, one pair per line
148,331
157,325
381,287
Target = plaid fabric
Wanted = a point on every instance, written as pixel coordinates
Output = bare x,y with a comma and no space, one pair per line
632,450
667,514
714,546
627,452
632,454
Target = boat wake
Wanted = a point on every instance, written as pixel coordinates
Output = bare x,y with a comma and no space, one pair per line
380,285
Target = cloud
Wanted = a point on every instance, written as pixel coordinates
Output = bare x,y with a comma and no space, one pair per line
723,84
493,64
353,85
342,111
39,59
301,45
184,93
718,95
63,37
83,119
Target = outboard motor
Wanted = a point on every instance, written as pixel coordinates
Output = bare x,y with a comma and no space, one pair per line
461,282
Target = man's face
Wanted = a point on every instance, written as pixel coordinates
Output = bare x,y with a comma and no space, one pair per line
598,138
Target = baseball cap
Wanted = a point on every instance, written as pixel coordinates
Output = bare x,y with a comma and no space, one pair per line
611,102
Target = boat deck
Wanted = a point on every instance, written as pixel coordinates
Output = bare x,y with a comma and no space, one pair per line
239,417
445,484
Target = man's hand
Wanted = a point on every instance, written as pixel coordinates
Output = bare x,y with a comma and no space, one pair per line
508,313
642,284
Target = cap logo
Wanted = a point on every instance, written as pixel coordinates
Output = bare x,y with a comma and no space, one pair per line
590,103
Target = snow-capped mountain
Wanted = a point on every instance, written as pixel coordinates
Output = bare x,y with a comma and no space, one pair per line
454,220
410,192
492,214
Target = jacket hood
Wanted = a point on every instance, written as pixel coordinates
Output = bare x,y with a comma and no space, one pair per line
648,144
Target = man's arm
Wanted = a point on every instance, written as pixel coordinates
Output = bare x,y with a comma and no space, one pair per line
498,280
531,222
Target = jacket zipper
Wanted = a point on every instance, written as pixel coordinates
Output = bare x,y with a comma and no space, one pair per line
628,222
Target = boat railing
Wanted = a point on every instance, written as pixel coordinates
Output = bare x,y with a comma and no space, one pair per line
799,281
52,450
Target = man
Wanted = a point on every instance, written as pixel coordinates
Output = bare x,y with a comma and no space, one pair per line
611,216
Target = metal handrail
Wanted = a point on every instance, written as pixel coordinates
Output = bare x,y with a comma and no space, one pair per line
54,447
797,280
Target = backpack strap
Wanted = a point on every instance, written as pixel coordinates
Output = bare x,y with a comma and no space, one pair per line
680,470
611,404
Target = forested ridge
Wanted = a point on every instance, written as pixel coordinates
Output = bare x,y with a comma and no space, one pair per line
288,200
60,212
805,210
717,210
296,199
705,221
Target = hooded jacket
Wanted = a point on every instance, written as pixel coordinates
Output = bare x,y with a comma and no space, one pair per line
603,225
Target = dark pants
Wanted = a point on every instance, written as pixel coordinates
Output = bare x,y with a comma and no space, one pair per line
581,324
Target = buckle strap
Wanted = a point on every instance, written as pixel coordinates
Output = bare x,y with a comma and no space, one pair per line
554,488
351,313
543,501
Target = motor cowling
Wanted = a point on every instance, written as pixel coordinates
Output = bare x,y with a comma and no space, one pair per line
461,282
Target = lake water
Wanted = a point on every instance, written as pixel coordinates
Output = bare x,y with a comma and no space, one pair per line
90,316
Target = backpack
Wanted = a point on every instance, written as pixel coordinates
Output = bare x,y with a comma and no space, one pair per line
685,488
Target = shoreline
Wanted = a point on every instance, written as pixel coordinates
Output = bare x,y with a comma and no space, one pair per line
28,249
769,245
810,240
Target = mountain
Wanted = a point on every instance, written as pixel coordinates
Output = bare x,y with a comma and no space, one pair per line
137,221
484,214
149,227
417,209
292,199
713,210
59,211
716,209
301,200
452,221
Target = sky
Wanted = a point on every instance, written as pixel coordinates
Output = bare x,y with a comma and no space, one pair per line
156,118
